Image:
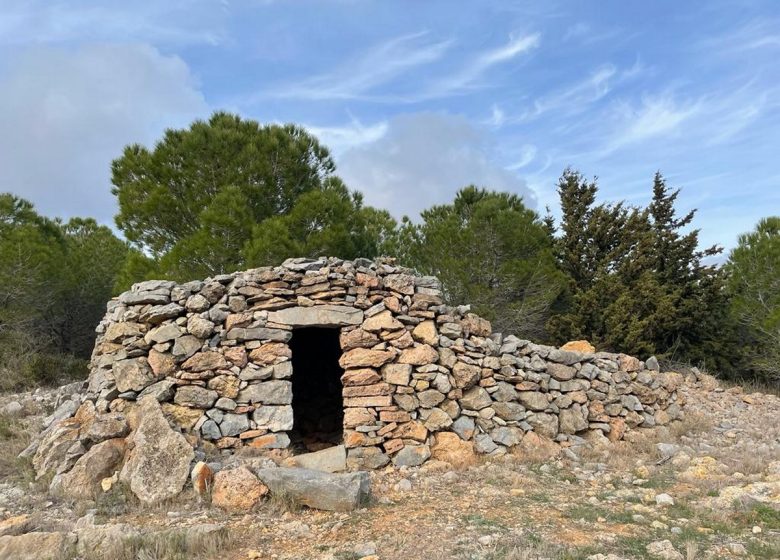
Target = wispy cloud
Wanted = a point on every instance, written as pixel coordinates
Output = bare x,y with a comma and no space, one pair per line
380,65
374,76
69,21
577,96
351,135
655,116
470,76
755,34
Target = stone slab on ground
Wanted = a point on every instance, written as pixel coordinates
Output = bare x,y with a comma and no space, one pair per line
318,490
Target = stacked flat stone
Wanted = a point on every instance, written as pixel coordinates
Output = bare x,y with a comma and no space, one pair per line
215,354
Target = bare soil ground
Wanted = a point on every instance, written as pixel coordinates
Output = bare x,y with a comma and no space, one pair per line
709,485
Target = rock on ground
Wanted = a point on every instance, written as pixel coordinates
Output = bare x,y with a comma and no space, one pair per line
38,546
159,462
237,490
318,490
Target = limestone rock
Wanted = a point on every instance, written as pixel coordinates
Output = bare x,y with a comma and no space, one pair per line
271,441
383,321
331,459
581,346
116,332
544,424
437,420
465,375
358,377
573,420
319,490
270,353
362,357
419,355
484,444
475,398
267,392
183,416
533,400
237,490
412,456
162,364
430,398
163,333
233,424
106,426
54,445
317,316
426,333
506,435
185,346
258,333
397,374
509,411
104,541
664,550
561,372
464,427
358,338
195,397
38,546
159,313
159,462
83,480
451,448
476,325
205,361
133,374
200,327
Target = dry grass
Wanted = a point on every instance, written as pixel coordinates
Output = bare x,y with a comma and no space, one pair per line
279,503
172,544
752,385
14,438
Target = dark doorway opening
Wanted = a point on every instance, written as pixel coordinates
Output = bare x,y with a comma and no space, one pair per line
318,408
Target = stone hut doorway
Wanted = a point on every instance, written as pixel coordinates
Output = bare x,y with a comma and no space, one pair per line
318,406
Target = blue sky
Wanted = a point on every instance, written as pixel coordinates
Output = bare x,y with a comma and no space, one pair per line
415,99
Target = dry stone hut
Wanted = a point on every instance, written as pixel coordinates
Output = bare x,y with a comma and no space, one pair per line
315,353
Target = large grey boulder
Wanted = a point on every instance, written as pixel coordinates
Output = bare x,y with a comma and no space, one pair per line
318,490
159,464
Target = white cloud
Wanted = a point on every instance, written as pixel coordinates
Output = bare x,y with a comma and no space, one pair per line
655,116
472,73
375,75
422,160
380,65
342,138
577,96
527,155
178,22
67,113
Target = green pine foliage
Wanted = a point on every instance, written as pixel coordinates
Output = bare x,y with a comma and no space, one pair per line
754,286
490,251
637,281
55,279
326,222
228,193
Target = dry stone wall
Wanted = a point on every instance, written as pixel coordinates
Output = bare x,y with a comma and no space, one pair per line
216,355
